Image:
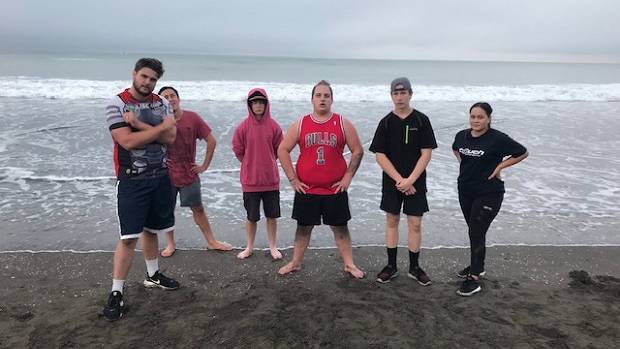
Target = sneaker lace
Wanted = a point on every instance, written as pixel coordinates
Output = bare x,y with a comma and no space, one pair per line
114,300
163,278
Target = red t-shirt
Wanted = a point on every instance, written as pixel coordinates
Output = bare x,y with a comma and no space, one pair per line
321,163
182,153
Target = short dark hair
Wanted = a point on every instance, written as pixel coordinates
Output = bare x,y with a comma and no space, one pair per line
168,88
151,63
484,106
324,83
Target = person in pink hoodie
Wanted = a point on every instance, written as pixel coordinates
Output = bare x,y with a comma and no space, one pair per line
255,143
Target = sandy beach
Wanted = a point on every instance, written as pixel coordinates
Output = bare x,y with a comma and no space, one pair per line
533,297
548,70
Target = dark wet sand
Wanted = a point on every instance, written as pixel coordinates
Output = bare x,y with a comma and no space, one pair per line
530,299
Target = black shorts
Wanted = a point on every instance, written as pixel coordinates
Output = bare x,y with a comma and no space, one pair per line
145,205
412,205
271,204
308,209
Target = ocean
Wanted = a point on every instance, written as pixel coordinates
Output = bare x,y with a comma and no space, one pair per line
57,186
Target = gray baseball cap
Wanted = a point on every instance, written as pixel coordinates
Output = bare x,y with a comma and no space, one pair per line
404,82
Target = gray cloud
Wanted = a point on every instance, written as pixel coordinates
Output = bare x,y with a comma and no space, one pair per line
451,29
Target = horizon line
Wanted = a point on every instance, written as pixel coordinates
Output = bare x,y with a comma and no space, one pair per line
608,61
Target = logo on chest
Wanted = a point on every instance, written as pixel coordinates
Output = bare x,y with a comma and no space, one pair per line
320,138
471,152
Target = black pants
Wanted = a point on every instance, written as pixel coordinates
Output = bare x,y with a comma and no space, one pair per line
479,212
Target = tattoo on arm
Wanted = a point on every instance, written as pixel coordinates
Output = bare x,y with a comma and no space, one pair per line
354,164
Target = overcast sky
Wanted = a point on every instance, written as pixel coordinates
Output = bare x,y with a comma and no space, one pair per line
538,30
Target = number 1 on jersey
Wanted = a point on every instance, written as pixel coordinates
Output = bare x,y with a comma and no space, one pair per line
320,156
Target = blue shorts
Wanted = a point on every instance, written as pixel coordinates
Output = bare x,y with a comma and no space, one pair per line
145,205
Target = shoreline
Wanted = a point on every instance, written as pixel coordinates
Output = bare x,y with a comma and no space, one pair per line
532,297
239,248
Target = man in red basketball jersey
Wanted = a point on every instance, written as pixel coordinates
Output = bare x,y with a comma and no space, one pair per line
321,177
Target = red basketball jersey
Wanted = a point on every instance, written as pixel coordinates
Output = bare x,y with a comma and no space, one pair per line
321,163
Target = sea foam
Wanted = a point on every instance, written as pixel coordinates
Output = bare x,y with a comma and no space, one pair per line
29,87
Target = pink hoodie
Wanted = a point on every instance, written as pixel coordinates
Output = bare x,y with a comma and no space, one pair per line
255,143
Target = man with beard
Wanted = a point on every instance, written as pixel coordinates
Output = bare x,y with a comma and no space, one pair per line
141,124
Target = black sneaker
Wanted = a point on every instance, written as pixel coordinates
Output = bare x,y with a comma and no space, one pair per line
160,280
115,308
388,273
465,272
469,287
419,275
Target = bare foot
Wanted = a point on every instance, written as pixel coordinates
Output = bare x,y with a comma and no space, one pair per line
244,254
289,268
275,254
354,271
168,251
220,246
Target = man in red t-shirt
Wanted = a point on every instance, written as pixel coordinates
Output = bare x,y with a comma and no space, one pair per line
321,177
183,170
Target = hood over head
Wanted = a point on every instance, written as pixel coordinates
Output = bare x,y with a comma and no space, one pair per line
258,94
